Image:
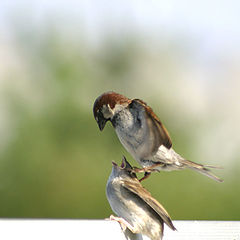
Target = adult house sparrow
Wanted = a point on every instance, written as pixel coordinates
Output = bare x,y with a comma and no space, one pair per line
137,210
142,134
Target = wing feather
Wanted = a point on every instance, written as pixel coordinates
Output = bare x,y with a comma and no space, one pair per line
162,133
136,188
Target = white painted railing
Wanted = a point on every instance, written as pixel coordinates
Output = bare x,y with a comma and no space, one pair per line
28,229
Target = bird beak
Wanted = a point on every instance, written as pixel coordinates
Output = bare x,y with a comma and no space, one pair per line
125,163
114,164
101,123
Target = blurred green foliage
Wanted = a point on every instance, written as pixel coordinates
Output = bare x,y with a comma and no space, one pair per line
57,162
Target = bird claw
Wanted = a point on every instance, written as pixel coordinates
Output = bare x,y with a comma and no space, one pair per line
147,169
146,175
123,223
138,170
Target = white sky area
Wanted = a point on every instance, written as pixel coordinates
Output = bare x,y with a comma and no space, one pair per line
210,29
214,23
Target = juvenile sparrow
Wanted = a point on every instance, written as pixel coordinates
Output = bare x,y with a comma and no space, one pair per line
142,134
137,210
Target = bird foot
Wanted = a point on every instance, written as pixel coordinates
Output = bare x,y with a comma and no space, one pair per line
146,175
147,170
123,223
151,168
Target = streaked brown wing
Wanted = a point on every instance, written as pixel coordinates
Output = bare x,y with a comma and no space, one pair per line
136,188
161,131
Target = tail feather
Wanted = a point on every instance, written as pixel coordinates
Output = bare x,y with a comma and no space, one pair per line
203,169
211,166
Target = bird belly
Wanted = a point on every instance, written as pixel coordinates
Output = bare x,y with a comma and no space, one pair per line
134,134
132,143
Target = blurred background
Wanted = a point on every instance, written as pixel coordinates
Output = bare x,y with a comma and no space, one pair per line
57,57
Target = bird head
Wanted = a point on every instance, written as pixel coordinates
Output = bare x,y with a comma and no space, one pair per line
107,105
124,170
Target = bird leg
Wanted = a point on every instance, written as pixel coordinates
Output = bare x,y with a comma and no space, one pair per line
146,175
151,168
147,170
124,224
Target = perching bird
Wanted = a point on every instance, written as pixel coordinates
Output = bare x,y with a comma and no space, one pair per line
142,134
137,210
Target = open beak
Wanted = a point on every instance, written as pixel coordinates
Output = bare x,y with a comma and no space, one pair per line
125,163
114,164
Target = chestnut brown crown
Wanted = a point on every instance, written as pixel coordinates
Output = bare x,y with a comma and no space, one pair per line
108,98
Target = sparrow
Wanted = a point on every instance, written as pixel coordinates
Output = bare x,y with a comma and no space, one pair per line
136,209
143,135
